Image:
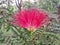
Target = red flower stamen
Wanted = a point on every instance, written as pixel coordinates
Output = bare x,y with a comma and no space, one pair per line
31,19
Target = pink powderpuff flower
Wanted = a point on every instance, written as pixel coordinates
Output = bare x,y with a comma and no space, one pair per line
31,19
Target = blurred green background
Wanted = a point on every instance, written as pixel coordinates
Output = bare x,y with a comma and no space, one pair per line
11,35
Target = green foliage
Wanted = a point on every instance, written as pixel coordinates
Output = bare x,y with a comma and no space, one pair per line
20,36
11,35
49,5
9,11
27,5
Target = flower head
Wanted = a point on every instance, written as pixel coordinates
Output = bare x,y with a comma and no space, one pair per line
31,19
